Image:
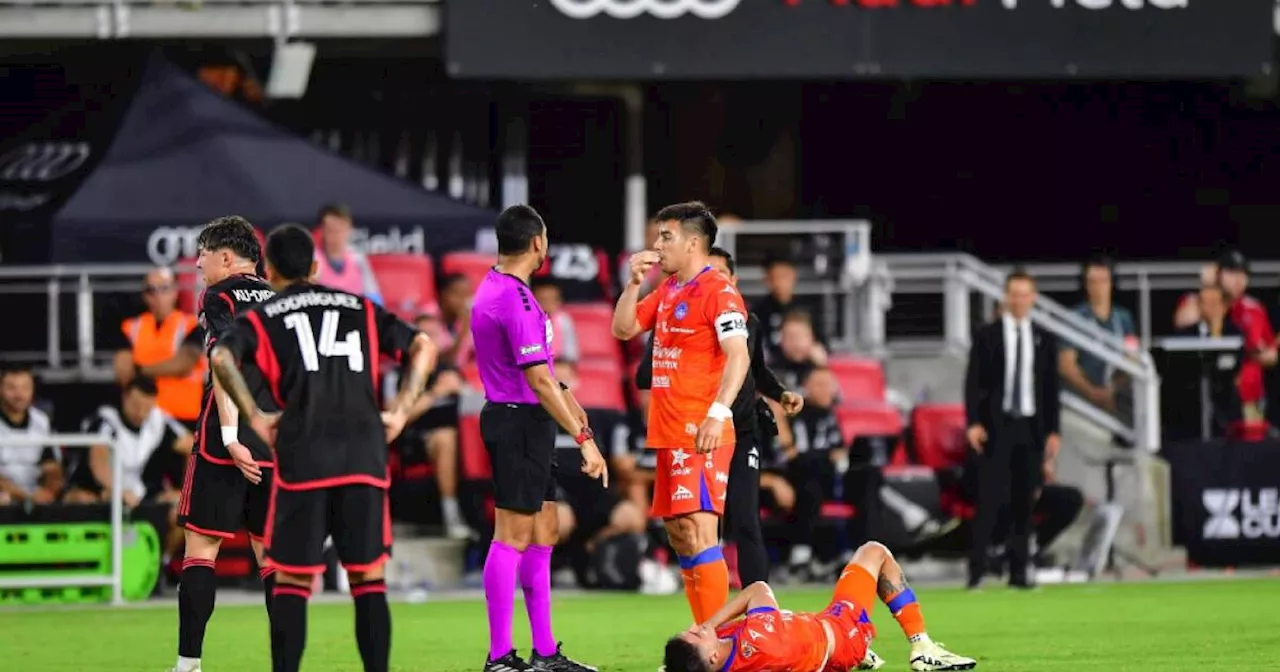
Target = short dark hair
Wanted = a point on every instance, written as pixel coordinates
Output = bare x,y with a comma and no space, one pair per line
717,251
234,233
683,656
772,259
694,217
800,315
545,281
516,227
143,384
16,370
1018,273
290,250
338,210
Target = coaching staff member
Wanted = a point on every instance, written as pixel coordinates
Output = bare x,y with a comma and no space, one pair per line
1011,401
319,351
753,425
524,403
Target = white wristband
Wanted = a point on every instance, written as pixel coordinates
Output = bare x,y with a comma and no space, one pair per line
230,436
719,411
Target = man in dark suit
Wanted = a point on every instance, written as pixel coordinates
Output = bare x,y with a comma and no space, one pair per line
1012,407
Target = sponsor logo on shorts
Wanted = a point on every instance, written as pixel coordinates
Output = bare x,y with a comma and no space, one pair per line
722,477
682,493
678,457
753,458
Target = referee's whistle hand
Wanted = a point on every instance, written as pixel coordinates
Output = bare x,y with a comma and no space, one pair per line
593,462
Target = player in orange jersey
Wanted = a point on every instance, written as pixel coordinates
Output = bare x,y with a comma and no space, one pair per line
700,359
836,640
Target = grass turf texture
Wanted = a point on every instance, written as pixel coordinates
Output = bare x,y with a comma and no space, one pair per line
1209,625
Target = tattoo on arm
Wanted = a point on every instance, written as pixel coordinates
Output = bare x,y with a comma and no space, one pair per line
886,588
233,384
420,365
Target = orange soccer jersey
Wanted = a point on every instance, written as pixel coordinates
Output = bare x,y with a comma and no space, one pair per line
689,321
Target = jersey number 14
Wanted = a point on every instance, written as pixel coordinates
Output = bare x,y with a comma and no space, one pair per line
328,345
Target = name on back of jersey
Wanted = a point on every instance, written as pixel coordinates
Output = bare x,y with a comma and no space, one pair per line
294,302
252,295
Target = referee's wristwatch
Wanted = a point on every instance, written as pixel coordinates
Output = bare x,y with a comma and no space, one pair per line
584,436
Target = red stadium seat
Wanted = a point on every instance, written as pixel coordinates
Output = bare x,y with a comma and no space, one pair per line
938,430
869,420
861,380
600,385
406,281
594,324
188,289
475,459
474,265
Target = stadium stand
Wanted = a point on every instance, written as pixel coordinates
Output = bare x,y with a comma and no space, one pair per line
407,281
861,380
474,265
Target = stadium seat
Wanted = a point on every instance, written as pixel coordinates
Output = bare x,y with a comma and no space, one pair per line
474,265
938,433
406,281
861,380
475,460
600,385
869,420
188,289
594,325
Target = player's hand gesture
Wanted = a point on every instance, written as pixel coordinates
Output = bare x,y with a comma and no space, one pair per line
265,425
394,422
792,403
245,462
708,438
640,264
977,436
593,462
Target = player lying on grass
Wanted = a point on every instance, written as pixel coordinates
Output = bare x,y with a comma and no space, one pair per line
836,640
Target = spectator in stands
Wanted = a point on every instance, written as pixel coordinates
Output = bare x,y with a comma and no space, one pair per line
433,421
1086,374
780,278
799,352
152,446
157,335
817,464
1223,371
33,473
1250,316
337,264
548,295
456,293
1187,313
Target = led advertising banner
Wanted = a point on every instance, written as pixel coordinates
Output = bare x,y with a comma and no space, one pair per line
846,39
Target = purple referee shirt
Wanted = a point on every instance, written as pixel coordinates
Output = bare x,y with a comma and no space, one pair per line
511,333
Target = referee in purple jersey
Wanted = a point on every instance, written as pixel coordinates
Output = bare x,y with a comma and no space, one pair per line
524,403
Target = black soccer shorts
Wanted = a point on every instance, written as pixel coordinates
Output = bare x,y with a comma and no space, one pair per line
356,516
521,442
217,501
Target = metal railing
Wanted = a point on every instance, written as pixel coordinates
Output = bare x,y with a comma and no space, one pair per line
958,276
281,19
117,517
82,281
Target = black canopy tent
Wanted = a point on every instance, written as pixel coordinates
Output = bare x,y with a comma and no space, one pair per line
177,154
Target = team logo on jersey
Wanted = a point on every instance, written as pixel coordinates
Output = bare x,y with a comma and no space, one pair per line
748,650
681,310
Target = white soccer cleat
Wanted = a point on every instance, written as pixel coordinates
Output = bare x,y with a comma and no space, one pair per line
930,656
871,661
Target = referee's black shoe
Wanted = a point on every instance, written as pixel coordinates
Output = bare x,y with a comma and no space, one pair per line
558,662
512,662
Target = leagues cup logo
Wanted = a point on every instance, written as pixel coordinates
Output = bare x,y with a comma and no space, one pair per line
630,9
1221,506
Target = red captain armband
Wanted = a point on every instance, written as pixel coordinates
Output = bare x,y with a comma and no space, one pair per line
584,436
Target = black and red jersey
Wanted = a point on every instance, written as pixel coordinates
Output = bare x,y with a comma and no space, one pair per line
318,349
220,304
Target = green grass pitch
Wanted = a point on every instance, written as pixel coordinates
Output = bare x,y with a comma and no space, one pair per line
1167,626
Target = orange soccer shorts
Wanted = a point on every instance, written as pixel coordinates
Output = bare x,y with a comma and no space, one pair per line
686,482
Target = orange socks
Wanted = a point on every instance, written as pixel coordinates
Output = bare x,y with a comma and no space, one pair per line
706,583
906,610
